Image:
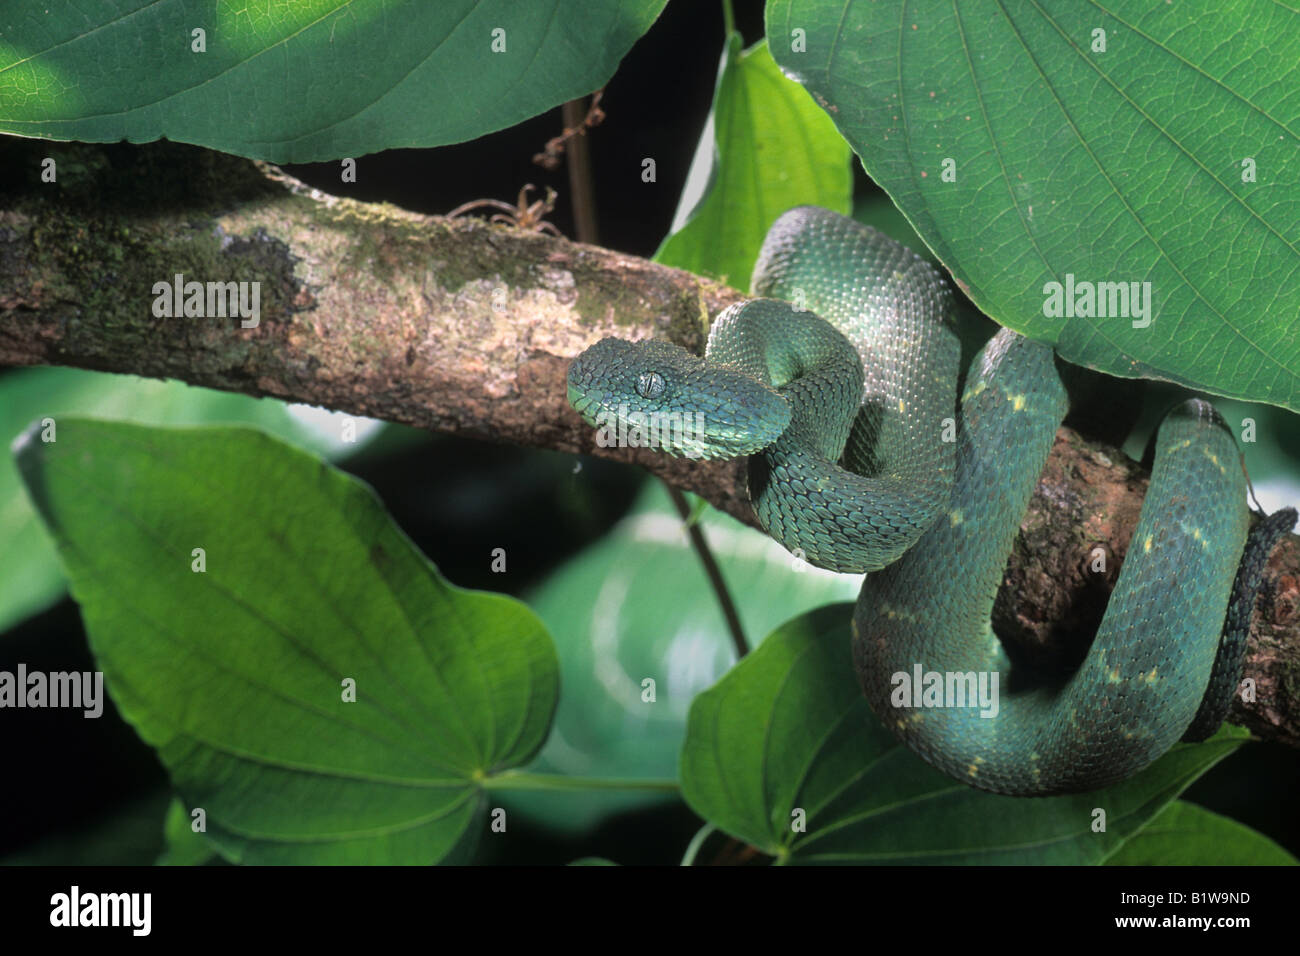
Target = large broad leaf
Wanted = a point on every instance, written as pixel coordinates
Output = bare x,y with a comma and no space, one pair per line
303,81
238,673
30,577
637,607
788,730
1187,835
766,147
1117,141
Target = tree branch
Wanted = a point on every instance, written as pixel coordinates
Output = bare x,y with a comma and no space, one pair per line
466,328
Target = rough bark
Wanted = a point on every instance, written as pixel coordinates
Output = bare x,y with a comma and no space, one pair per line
466,328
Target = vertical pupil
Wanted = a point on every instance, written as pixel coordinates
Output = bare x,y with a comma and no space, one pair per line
649,384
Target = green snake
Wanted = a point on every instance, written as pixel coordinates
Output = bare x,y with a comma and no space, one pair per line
861,459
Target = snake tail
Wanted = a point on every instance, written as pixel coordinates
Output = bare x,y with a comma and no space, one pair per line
1231,658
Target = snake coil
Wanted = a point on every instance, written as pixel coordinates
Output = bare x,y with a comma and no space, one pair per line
861,459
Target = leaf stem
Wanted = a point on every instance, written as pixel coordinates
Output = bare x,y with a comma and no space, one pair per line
728,18
522,780
711,569
582,194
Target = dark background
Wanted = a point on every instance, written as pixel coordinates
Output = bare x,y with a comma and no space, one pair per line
89,791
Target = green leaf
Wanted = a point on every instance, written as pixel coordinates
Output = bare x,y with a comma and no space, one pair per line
788,729
30,576
1187,835
306,81
766,148
238,673
638,605
1119,166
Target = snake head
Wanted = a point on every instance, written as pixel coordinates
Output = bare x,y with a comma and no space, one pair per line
654,394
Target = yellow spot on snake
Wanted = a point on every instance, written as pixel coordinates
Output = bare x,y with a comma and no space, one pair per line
1150,678
902,406
896,614
1146,545
956,517
1018,403
974,768
1113,676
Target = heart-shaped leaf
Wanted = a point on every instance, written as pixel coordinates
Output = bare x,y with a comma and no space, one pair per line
1140,156
308,678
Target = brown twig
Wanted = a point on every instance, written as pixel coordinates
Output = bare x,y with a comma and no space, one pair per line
577,121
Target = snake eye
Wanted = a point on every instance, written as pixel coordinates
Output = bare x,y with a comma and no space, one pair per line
650,385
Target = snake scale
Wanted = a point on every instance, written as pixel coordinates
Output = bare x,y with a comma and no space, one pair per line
861,458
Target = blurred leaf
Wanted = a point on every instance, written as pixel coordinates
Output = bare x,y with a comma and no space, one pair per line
236,674
1184,834
126,835
329,79
766,147
30,577
788,729
1115,141
638,605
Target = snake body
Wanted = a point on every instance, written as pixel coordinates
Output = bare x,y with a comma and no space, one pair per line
861,460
